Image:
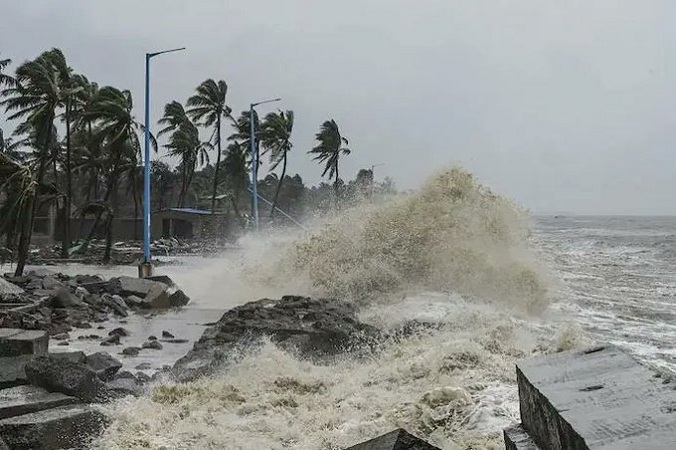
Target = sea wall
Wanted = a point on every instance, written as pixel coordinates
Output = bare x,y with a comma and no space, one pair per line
597,398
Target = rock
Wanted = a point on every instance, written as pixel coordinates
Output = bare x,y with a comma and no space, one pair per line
124,386
133,286
15,342
95,287
63,343
33,284
81,292
134,302
142,378
41,273
3,445
62,298
119,332
65,376
87,279
70,426
152,338
100,327
111,340
143,366
131,351
125,374
178,298
103,364
28,399
155,345
94,300
317,328
51,284
9,290
167,335
61,336
175,341
398,439
82,325
76,357
157,298
116,303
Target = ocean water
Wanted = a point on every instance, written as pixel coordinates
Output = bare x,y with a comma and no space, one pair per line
501,285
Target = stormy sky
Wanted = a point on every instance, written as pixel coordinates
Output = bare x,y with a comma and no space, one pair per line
566,106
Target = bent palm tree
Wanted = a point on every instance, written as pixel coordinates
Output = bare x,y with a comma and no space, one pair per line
329,149
184,143
276,138
35,96
208,108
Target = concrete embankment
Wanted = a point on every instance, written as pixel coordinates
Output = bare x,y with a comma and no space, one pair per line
598,398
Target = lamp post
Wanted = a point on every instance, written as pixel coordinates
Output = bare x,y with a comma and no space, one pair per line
254,160
145,268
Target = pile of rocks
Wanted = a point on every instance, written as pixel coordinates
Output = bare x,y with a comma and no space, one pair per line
58,303
45,398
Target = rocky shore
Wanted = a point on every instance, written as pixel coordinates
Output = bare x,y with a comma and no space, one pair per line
50,398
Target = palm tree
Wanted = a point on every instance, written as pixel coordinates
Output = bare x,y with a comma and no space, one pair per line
117,132
236,173
276,138
184,143
208,108
4,78
35,96
329,149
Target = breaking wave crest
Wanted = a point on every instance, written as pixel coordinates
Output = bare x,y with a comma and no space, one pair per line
454,254
453,235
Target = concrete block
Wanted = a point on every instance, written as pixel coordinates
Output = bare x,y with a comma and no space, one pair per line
16,342
71,426
516,438
9,290
29,399
398,439
598,398
138,286
12,371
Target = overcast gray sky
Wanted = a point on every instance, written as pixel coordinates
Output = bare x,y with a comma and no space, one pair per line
563,105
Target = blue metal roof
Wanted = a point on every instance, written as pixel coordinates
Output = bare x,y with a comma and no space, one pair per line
190,211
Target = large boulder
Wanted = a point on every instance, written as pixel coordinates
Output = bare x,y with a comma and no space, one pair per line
63,298
9,291
67,377
315,328
103,364
153,293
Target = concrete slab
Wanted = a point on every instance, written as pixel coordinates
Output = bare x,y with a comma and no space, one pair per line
598,398
398,439
138,286
516,438
70,426
16,342
29,399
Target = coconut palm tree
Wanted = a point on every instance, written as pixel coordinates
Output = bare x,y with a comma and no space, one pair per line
184,143
329,149
4,78
35,96
276,139
236,173
208,108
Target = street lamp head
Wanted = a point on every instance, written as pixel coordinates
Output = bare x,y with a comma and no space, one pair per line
150,55
266,101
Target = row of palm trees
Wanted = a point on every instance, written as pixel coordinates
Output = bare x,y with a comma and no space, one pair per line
70,129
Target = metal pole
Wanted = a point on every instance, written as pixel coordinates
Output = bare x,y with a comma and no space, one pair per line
146,170
145,269
254,169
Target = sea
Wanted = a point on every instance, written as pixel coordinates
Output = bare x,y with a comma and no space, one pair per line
500,284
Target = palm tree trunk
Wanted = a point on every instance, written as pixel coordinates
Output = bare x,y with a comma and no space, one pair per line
109,238
31,208
218,164
184,181
279,188
69,190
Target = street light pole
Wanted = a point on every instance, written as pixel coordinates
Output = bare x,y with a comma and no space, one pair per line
254,160
145,269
